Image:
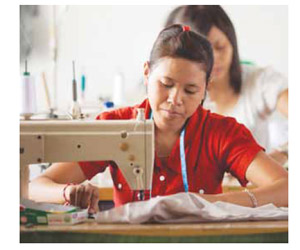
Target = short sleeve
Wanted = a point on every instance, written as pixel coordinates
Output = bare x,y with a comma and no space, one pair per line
91,168
238,148
270,84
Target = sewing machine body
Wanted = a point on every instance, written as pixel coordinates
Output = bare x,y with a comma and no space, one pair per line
129,143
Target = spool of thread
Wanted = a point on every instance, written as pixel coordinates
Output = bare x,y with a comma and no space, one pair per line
75,108
119,91
28,94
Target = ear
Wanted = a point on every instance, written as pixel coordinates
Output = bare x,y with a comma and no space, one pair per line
209,82
203,98
146,72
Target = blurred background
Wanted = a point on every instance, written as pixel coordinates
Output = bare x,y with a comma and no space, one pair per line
110,44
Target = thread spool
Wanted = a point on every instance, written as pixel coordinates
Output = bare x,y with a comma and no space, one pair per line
28,94
119,91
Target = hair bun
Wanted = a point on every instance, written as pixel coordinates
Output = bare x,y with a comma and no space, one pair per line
186,28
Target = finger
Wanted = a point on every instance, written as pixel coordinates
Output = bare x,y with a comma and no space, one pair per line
93,207
73,195
86,197
79,195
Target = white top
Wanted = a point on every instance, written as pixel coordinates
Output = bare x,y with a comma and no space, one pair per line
256,105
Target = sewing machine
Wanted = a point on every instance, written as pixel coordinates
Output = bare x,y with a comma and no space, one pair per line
129,143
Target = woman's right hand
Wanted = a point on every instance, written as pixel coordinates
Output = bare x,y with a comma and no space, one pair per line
83,196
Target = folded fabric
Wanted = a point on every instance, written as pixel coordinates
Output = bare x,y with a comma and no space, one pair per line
187,208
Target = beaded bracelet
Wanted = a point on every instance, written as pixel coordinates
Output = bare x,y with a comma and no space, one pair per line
252,197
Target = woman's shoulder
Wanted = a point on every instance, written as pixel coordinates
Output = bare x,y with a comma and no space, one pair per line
216,121
116,114
124,113
224,128
250,73
253,72
254,77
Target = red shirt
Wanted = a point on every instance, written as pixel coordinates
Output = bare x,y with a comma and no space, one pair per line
213,144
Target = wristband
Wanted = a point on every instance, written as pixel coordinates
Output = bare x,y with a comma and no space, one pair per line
252,197
67,202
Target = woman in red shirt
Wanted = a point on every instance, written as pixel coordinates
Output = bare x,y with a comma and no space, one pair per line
193,147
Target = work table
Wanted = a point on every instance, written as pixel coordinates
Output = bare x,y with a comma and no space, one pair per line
90,231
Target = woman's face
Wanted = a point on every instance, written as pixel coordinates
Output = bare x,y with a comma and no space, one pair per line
223,53
176,88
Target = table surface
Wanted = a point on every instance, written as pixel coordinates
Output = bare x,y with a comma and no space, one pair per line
208,228
106,193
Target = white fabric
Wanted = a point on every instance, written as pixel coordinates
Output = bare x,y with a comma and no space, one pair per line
187,208
257,102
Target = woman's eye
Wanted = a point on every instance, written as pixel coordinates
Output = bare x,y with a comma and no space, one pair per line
190,92
220,47
167,85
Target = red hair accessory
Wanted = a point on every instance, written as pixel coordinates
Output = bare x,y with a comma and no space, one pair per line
186,28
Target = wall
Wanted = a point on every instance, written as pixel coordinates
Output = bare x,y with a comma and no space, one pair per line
262,33
106,39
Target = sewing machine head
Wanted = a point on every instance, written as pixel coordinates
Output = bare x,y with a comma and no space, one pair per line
129,143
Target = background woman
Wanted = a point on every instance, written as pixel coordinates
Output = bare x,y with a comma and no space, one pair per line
246,92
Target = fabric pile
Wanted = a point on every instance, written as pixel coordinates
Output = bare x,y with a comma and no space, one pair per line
187,208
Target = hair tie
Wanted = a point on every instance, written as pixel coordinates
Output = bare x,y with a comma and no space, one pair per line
186,28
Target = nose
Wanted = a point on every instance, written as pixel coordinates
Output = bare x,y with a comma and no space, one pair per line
175,97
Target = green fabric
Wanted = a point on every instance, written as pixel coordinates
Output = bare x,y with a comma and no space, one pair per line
65,237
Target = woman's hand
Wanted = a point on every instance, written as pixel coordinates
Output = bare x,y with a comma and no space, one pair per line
83,196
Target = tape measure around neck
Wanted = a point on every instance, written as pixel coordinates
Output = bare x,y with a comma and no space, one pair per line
182,157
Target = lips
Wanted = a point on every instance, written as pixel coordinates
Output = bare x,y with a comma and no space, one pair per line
171,113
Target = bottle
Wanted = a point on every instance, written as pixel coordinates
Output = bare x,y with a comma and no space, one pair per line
75,107
28,95
119,90
83,86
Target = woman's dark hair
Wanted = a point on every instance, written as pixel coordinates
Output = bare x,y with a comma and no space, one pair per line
175,42
201,18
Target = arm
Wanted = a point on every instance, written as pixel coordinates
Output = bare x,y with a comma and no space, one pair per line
281,154
271,182
49,186
282,102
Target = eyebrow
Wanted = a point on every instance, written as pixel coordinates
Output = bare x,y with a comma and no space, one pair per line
192,85
219,40
168,78
188,84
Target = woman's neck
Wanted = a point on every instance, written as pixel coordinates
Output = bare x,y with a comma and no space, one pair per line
222,94
161,128
165,141
220,86
167,132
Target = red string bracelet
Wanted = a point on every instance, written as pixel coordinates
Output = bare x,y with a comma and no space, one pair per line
186,28
67,202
